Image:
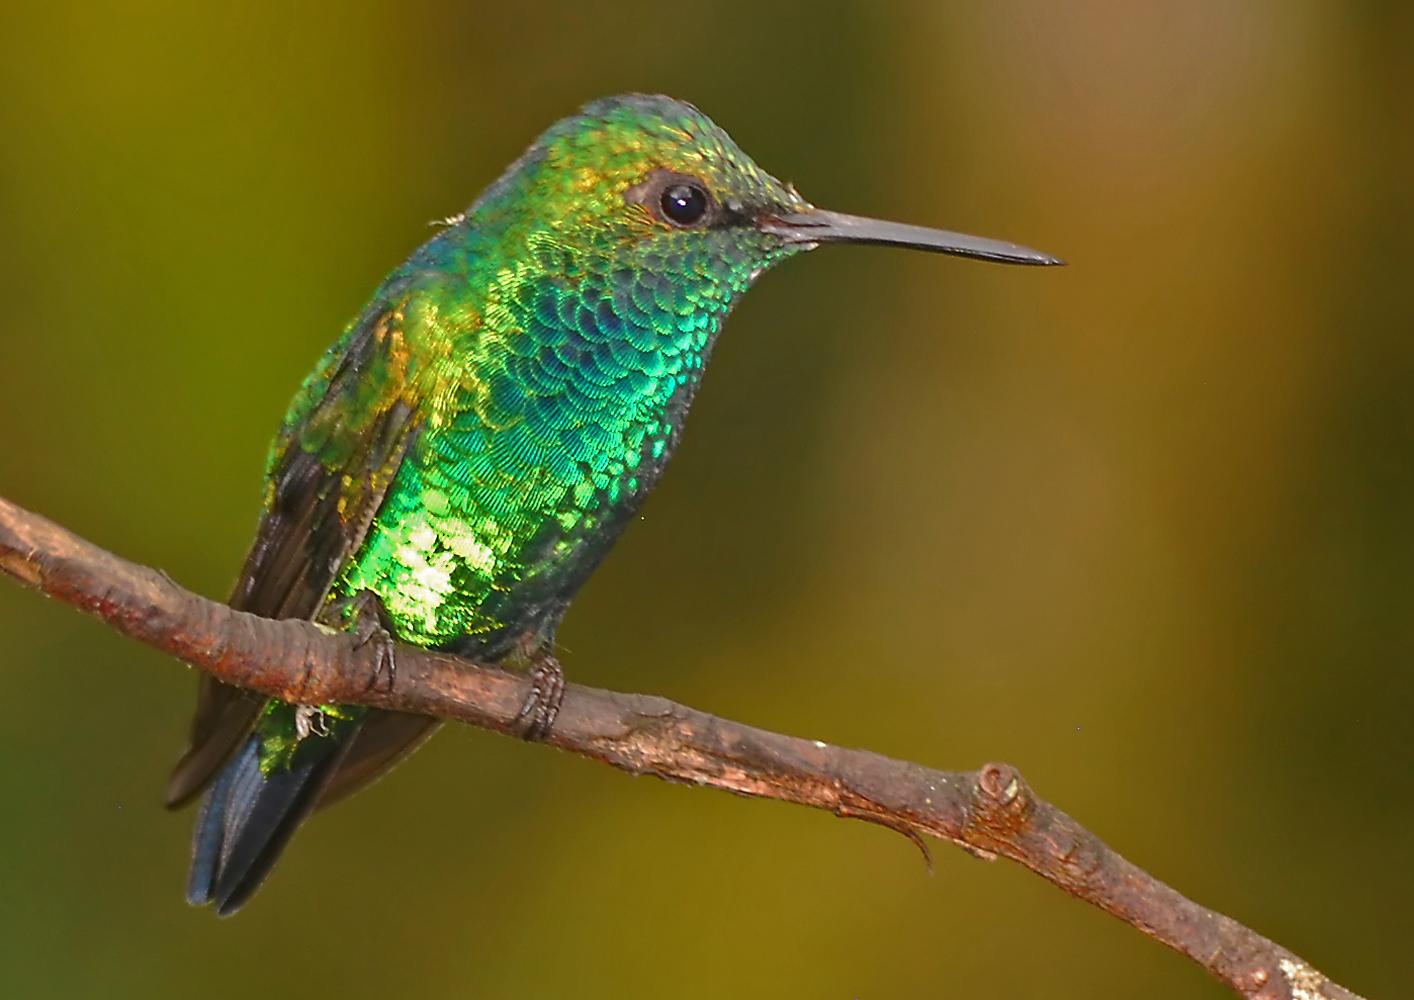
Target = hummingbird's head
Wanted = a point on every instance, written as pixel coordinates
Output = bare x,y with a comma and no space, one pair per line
648,176
654,183
651,183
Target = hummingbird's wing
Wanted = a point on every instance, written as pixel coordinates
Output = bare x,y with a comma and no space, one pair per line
384,739
330,468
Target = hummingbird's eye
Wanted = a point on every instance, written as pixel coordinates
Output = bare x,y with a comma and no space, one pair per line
684,204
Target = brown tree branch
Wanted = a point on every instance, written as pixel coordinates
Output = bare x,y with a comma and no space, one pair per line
989,812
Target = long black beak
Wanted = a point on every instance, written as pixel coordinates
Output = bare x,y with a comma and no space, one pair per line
816,226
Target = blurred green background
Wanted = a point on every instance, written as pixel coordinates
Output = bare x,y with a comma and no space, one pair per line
1140,526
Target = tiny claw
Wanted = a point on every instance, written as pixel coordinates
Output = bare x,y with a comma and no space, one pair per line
387,661
547,690
371,625
310,721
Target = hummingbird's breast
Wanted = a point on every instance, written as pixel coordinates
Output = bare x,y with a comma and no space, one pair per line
551,417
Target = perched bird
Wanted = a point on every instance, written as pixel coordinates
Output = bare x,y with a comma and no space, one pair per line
468,450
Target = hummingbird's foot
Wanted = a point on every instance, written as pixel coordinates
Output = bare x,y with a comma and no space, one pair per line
371,624
547,691
310,721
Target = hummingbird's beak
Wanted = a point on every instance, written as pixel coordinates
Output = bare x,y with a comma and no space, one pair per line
817,226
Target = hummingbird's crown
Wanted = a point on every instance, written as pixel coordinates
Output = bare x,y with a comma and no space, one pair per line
584,167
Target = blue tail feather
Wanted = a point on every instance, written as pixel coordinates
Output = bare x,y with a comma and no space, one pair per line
247,818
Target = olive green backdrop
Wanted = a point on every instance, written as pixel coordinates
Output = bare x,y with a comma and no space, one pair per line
1141,526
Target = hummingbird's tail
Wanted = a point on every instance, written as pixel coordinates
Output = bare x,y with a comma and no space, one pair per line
247,817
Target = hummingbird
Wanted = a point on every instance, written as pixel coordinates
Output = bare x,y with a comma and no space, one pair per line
468,450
